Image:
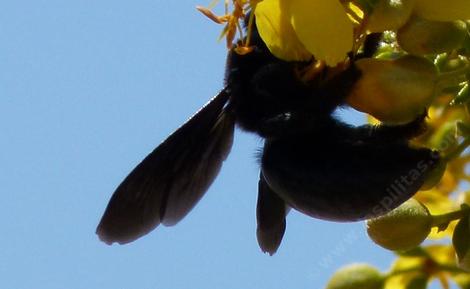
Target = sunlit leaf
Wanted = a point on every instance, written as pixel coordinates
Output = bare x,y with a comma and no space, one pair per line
461,242
463,95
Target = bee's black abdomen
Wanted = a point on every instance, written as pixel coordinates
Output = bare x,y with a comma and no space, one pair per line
328,177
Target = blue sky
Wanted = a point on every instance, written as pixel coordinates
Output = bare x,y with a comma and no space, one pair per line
87,89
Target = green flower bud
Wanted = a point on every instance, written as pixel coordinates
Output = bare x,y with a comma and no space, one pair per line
389,15
442,10
403,228
434,176
394,91
421,36
356,276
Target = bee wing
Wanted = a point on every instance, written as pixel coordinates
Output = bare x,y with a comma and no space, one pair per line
169,182
271,213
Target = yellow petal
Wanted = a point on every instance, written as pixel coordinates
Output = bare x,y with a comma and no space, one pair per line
403,263
439,10
442,254
462,279
276,31
435,201
323,27
407,281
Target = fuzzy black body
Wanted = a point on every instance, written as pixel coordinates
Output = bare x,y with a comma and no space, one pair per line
268,98
317,164
335,173
311,161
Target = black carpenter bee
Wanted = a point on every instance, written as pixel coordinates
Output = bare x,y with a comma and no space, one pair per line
311,161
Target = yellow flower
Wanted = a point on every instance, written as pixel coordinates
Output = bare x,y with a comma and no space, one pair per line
296,30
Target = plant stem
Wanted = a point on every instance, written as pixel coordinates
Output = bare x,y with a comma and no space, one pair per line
404,271
451,269
444,219
449,78
458,150
420,269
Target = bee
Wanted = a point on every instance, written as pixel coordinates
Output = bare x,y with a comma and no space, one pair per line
311,161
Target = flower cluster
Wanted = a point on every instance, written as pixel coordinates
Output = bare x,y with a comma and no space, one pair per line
423,62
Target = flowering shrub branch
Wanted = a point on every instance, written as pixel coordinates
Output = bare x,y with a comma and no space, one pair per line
423,62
